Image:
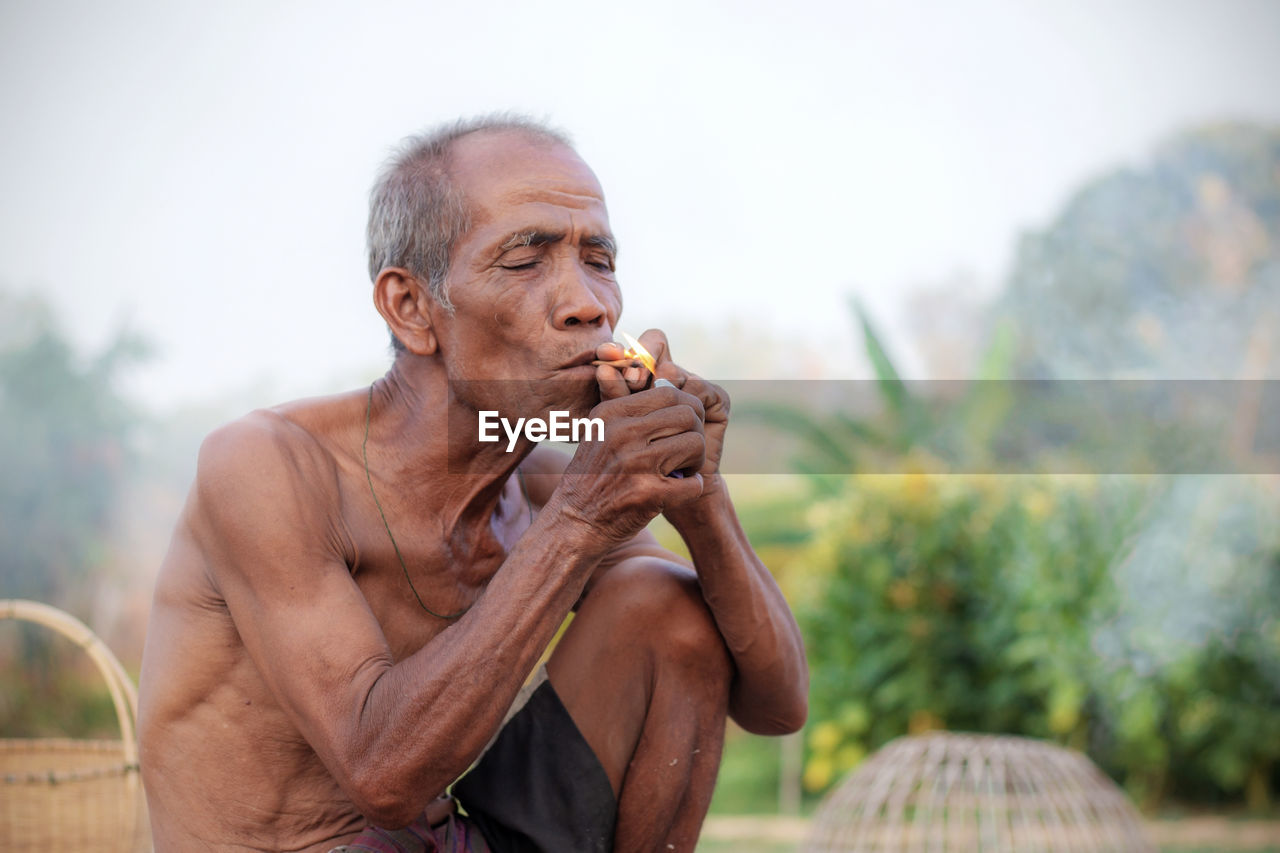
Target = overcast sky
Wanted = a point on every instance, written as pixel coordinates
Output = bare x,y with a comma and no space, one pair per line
199,172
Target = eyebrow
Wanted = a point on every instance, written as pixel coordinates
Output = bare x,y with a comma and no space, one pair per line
603,241
542,238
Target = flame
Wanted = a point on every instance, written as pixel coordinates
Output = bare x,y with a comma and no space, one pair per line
636,350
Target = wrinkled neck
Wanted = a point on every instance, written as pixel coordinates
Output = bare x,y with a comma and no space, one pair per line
422,438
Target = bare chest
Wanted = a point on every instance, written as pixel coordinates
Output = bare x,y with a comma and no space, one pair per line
420,574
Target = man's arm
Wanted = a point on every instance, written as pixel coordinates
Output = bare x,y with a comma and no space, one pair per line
543,470
392,733
770,693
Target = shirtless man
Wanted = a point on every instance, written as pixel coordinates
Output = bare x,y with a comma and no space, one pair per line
357,588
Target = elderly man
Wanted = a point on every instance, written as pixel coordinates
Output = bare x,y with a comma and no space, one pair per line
358,587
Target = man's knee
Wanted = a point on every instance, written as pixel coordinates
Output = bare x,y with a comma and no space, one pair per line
658,605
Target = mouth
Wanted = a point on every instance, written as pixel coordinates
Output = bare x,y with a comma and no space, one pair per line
583,359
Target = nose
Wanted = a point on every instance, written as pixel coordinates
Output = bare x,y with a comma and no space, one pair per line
580,301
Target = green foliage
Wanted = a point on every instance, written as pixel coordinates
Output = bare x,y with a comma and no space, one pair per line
1014,605
1135,619
52,689
64,452
748,780
933,614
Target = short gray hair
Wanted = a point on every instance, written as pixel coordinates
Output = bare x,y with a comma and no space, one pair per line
416,213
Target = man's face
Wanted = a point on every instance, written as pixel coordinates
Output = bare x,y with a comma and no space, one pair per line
533,281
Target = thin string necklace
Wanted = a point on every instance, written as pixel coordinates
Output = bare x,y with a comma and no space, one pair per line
364,452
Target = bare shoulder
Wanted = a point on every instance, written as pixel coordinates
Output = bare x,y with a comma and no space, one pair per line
293,441
274,473
257,454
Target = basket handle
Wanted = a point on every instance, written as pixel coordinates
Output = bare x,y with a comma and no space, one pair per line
123,694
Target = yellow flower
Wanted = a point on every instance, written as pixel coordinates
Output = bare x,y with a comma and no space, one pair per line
1039,505
916,487
818,773
902,594
924,721
1063,717
1064,707
825,737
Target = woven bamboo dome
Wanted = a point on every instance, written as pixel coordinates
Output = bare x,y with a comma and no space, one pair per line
960,792
81,795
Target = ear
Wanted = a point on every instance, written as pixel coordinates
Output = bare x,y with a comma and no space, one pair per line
405,303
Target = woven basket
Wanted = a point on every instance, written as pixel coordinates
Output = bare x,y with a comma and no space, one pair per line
957,792
81,795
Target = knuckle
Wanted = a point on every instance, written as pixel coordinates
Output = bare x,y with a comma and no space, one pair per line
691,419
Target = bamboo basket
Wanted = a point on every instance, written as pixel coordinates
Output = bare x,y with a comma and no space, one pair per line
74,795
960,792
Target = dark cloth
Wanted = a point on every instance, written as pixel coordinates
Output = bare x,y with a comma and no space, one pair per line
540,788
453,834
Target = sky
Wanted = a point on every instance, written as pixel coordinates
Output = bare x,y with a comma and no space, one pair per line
199,172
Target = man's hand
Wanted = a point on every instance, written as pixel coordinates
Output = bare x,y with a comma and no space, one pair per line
617,383
769,693
618,485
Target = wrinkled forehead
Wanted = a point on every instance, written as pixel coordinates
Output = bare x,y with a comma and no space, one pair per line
503,168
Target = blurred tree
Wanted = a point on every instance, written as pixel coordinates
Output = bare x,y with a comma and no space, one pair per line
1172,270
1133,618
64,448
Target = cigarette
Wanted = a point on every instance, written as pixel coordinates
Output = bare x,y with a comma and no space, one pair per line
619,363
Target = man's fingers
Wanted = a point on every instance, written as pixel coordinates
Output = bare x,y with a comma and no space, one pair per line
653,399
670,421
638,405
715,400
611,382
636,422
630,380
683,490
684,451
610,351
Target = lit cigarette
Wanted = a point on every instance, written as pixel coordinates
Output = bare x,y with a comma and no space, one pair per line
634,356
635,349
636,352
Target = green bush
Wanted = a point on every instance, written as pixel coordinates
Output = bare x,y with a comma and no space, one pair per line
1060,609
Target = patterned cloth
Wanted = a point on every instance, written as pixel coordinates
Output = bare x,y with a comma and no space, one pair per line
453,835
